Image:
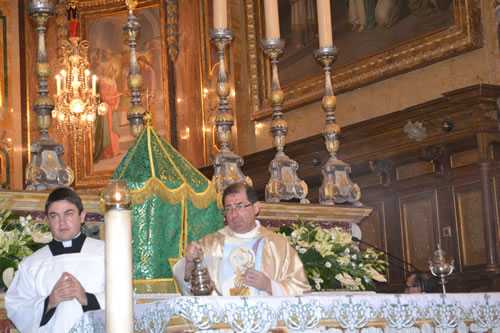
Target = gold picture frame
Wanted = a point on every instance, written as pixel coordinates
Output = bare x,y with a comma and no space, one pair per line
465,34
96,20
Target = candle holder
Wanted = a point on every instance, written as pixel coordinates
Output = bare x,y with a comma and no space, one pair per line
284,184
116,194
440,267
135,113
47,168
337,186
227,165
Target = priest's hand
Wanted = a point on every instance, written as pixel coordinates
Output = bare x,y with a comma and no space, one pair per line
193,250
257,279
66,289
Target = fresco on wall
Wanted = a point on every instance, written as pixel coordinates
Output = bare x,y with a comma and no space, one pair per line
360,28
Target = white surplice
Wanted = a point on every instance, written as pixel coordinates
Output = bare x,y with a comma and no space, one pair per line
36,277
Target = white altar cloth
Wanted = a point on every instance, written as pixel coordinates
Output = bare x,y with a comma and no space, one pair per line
465,312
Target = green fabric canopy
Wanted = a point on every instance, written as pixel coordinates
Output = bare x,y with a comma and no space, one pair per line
172,205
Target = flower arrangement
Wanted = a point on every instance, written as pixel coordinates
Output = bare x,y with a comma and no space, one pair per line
332,260
19,237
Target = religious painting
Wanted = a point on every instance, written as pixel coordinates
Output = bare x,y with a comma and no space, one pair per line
109,58
375,40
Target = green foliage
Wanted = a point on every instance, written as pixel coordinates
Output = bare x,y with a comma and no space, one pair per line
332,260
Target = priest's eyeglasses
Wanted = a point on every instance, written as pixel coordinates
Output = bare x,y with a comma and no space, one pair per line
236,208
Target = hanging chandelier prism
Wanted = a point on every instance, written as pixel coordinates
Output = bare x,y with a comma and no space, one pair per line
77,101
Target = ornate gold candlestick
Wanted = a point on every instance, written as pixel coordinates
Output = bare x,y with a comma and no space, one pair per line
284,184
135,112
227,165
47,169
337,186
441,267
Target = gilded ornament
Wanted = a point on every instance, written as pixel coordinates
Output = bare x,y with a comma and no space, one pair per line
132,34
41,19
148,117
224,136
332,146
43,121
331,129
134,81
71,4
135,109
222,89
279,123
136,129
43,100
131,4
71,176
31,173
277,96
42,70
279,141
329,102
223,117
357,191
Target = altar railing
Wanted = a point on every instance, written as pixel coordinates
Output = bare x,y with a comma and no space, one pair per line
471,312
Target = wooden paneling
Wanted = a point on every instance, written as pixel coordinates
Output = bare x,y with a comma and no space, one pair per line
469,217
464,158
414,170
420,222
373,227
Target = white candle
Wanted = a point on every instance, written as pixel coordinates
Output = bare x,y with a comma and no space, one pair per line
94,79
220,14
119,280
324,23
272,19
58,84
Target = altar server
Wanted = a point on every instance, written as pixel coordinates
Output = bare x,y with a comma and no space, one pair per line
244,258
56,284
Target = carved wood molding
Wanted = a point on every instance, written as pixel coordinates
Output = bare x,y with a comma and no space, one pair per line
384,169
434,155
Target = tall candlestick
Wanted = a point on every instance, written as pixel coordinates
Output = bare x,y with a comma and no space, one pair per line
324,23
220,14
272,19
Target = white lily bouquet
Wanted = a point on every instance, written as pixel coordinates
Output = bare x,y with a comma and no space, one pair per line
19,237
332,260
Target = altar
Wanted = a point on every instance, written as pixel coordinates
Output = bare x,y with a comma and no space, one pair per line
331,312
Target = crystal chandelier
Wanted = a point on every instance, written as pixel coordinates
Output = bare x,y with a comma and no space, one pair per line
76,98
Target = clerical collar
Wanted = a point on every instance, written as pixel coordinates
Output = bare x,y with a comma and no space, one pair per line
71,246
251,233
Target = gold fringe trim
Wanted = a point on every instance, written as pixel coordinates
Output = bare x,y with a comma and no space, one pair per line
173,196
155,186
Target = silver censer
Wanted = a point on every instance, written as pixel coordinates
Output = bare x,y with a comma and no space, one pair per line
201,283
